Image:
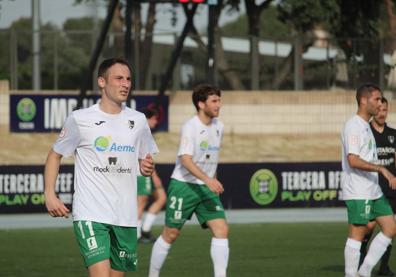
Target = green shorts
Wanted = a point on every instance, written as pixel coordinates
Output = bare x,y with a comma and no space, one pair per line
145,185
361,212
184,199
99,241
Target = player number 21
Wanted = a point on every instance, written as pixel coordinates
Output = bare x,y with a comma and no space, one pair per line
179,202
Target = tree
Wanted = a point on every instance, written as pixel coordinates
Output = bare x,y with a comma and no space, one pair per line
302,16
253,12
357,32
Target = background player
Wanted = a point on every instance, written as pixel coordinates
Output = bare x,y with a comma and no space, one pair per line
149,186
107,139
361,192
193,187
385,139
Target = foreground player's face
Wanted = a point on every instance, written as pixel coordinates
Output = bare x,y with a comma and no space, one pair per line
116,83
373,102
380,117
212,106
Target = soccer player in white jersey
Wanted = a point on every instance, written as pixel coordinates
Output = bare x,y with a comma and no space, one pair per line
107,140
360,189
194,187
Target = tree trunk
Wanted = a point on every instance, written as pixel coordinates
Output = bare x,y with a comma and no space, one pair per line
287,65
230,76
137,27
253,13
116,28
147,46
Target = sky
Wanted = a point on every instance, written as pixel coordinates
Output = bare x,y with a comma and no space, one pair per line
57,11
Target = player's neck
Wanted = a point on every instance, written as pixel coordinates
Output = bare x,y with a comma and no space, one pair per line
206,120
110,107
379,128
364,115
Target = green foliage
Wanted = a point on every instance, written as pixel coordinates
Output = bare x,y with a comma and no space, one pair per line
270,26
69,50
303,15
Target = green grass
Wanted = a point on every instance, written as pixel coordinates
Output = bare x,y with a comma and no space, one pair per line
256,250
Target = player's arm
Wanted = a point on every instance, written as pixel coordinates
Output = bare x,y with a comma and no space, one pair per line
358,163
147,148
55,206
212,183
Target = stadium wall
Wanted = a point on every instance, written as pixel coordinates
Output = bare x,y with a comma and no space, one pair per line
256,112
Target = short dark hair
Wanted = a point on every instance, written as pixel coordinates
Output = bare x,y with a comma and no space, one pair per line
150,112
202,92
365,90
106,64
384,100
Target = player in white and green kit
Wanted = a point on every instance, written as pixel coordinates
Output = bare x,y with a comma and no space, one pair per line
193,187
107,140
360,189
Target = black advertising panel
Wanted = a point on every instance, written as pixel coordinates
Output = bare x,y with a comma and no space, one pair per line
247,185
47,113
275,185
22,188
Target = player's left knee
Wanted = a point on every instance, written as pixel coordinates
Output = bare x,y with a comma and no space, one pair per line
221,230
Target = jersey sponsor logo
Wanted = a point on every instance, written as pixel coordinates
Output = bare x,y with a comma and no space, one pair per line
385,150
204,145
371,144
100,122
112,160
112,168
103,144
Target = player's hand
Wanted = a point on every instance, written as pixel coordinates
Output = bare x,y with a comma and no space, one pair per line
214,185
147,165
389,176
392,183
55,206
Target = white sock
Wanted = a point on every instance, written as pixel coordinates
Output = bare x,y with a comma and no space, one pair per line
139,229
148,222
219,252
377,249
352,255
158,256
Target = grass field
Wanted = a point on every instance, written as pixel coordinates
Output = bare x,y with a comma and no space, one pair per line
257,250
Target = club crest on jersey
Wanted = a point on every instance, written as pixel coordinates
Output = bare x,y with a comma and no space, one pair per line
391,139
131,124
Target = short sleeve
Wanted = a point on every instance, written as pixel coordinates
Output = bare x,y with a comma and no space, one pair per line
186,141
147,142
68,138
352,140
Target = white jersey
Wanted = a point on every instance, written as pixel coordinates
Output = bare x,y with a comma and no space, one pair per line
358,139
106,148
202,142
